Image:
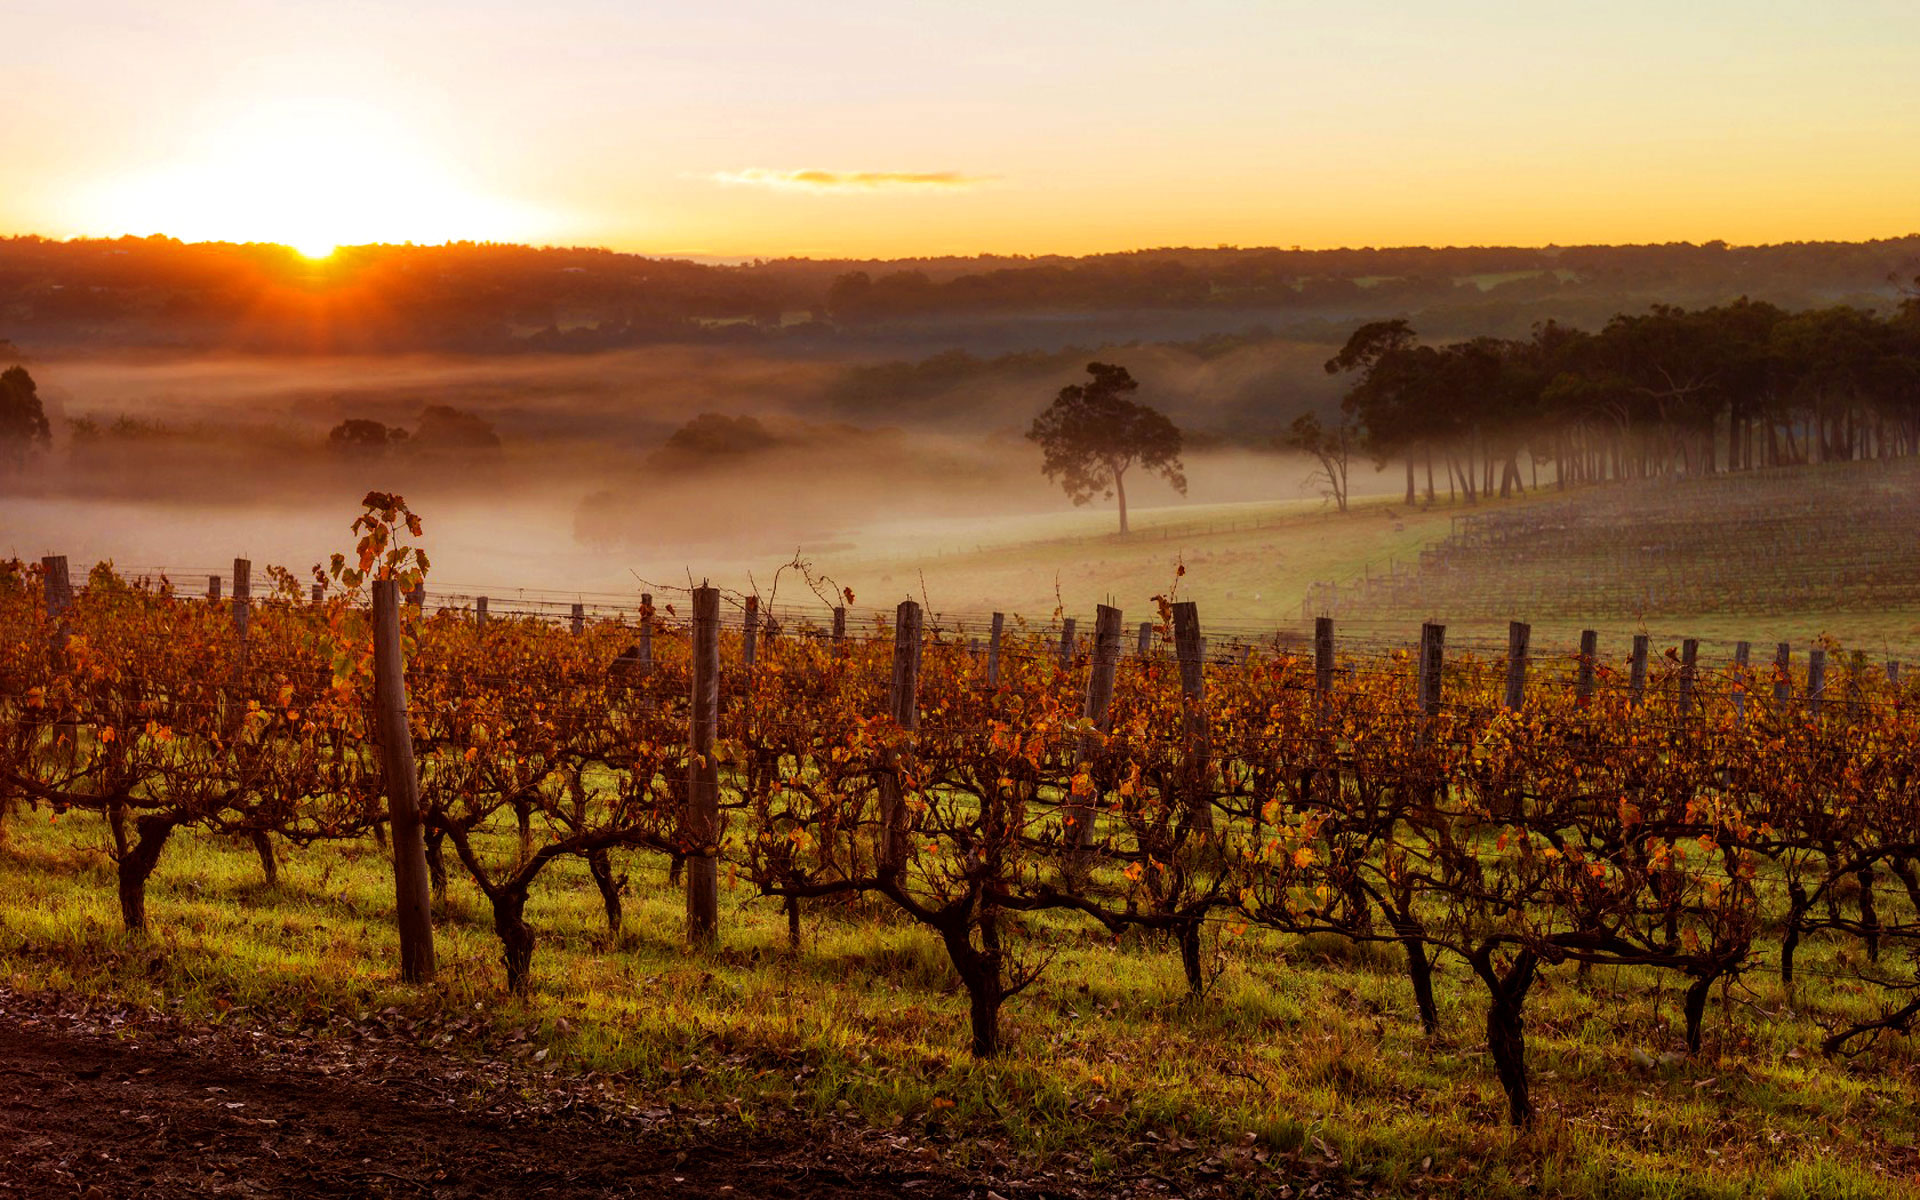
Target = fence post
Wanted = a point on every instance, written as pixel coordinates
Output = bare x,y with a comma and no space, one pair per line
1106,659
1816,682
242,595
1856,673
1519,640
1637,678
903,705
646,633
1146,640
412,897
213,588
1190,649
1323,664
993,649
1583,679
1689,658
703,773
319,593
1066,643
1742,680
840,629
749,629
577,621
57,588
480,611
1782,682
1433,658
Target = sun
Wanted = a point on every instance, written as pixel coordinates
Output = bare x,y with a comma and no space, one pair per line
312,174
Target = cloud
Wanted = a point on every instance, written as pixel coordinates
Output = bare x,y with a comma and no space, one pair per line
850,181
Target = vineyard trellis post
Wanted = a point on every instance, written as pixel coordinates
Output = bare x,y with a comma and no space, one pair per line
213,588
1782,682
703,773
840,628
1637,673
57,591
1146,641
1190,649
993,649
1742,680
1519,641
1099,699
412,898
1583,680
1816,682
480,611
749,630
319,594
903,705
646,634
577,620
242,597
1066,644
1433,658
1323,665
1689,659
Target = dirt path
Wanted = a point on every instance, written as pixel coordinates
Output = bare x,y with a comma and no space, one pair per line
92,1115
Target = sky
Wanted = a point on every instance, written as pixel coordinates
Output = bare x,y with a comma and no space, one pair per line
859,128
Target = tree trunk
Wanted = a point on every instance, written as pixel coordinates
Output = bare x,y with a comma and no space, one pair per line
793,923
1190,958
1506,1028
1696,1008
516,939
980,973
269,864
1410,495
1120,490
137,865
601,868
1419,968
437,872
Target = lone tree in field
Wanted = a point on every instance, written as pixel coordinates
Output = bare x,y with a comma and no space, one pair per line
1092,434
23,421
1331,448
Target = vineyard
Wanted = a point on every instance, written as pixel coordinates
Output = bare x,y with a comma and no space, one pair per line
1499,839
1829,538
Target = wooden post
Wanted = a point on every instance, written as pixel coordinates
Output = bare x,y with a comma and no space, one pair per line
1190,651
1816,682
840,629
1856,675
749,630
1742,680
993,649
1146,640
319,593
578,620
57,589
1689,662
213,588
646,633
1637,675
1782,682
1519,639
1323,664
1066,643
1583,679
480,611
242,596
1433,658
903,705
412,895
703,773
1106,659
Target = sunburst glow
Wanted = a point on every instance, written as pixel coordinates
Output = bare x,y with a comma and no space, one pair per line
313,175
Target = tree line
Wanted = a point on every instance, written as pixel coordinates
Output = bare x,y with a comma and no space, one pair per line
1665,393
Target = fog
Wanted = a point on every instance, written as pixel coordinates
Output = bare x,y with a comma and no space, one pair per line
182,464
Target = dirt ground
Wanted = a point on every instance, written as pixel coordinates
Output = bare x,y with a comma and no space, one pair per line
104,1104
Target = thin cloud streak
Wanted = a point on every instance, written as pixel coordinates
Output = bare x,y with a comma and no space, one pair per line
813,180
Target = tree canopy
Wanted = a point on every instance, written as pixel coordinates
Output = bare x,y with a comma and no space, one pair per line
23,420
1092,435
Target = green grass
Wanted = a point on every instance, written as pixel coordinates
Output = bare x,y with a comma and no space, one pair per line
1305,1048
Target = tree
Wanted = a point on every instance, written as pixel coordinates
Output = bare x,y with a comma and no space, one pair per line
1092,435
1330,447
357,434
23,421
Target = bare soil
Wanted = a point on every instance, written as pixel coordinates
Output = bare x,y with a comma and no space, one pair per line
102,1104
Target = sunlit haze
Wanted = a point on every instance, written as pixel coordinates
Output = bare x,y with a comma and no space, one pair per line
868,128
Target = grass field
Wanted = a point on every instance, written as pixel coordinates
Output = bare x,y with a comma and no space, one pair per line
1302,1052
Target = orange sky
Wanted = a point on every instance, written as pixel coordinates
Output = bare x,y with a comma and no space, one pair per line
887,129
